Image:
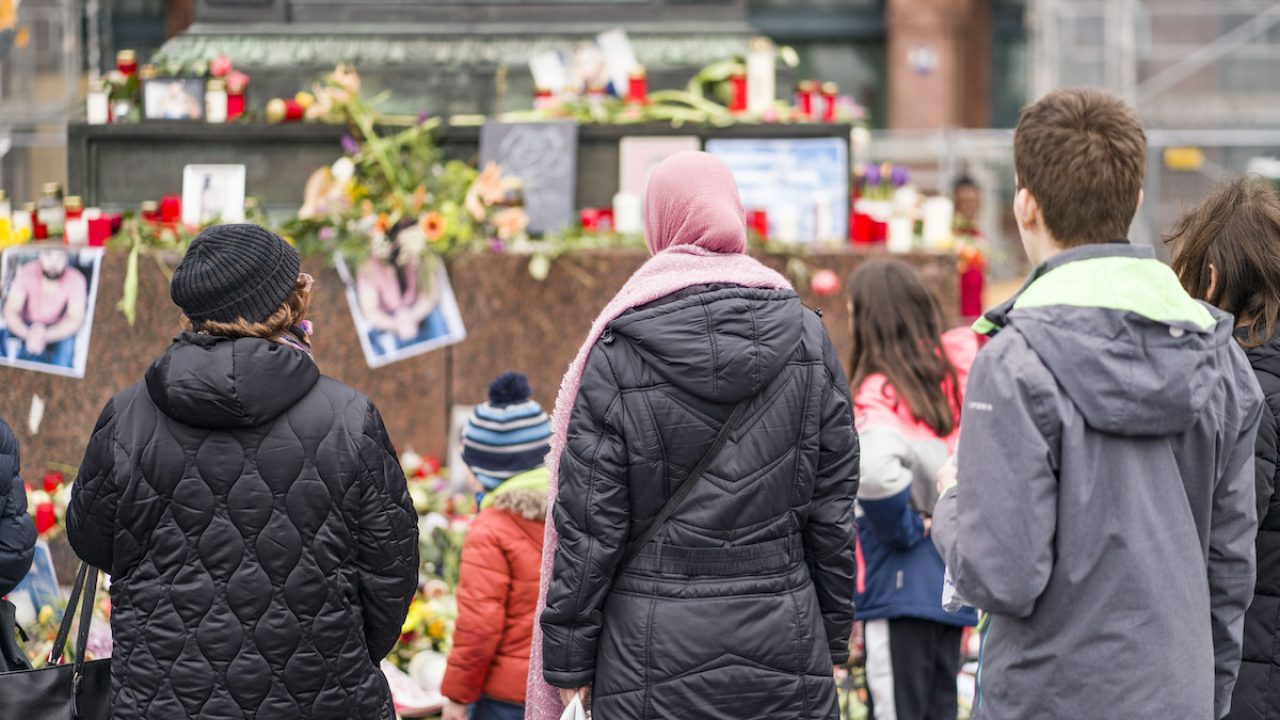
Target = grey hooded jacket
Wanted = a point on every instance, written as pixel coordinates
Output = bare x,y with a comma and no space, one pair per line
1104,514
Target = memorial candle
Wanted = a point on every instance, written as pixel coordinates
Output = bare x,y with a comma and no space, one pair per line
637,86
738,88
804,97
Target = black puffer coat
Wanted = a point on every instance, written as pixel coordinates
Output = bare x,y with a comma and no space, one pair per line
1257,692
258,532
17,530
743,602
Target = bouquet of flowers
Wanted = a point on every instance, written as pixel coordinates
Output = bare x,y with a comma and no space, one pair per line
396,187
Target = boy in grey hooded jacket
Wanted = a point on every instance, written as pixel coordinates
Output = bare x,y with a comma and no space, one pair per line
1103,513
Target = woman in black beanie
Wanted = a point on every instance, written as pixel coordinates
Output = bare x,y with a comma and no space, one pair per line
251,512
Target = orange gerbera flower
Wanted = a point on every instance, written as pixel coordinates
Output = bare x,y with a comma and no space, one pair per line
511,222
433,226
489,184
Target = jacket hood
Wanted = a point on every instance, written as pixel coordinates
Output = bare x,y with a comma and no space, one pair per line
721,344
223,383
1135,353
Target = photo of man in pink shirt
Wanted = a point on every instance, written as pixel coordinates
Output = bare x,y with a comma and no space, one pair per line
45,308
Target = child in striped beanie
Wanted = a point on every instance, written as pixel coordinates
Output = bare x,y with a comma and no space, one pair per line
507,436
504,443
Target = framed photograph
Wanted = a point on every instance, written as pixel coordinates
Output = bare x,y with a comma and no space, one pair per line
212,194
46,314
401,308
638,156
803,185
459,474
38,588
171,98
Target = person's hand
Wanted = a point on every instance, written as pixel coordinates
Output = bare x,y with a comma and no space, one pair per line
454,711
406,327
948,476
36,342
566,695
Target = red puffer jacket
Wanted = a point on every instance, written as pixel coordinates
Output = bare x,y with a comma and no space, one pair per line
497,594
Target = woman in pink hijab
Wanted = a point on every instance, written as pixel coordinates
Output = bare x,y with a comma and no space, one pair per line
704,465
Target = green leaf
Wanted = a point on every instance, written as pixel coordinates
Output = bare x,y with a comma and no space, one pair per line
129,299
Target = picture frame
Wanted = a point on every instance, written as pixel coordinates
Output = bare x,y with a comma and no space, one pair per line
48,295
212,193
173,99
422,297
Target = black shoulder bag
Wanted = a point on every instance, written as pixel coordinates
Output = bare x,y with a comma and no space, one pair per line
80,691
677,498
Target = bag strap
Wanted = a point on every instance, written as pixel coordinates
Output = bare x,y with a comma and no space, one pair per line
82,639
68,616
677,498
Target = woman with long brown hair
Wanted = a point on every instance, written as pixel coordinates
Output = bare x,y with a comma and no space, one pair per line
908,380
1227,253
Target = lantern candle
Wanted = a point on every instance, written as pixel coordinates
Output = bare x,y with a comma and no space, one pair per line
45,518
762,75
150,211
170,209
738,88
127,62
638,86
804,97
215,101
829,96
97,105
237,84
543,99
99,229
51,481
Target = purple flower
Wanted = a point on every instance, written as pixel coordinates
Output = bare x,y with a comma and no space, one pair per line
328,233
497,246
349,144
424,116
899,175
873,174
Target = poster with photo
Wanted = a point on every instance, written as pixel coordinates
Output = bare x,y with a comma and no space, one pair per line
401,307
803,185
173,98
212,193
638,156
46,313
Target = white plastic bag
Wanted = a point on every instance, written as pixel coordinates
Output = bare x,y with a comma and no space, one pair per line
574,710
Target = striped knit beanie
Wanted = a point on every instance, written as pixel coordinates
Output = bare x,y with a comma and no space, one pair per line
508,435
234,271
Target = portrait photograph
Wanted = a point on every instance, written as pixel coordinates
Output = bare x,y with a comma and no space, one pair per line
173,99
46,315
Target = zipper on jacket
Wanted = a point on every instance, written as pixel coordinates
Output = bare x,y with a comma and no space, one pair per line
607,337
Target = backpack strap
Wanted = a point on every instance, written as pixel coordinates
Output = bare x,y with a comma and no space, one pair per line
678,497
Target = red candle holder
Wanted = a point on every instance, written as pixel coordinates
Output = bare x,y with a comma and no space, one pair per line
738,86
830,92
170,209
127,62
45,518
804,97
638,86
51,481
99,231
758,221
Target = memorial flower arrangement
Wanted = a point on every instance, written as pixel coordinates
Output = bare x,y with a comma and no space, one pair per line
392,180
47,502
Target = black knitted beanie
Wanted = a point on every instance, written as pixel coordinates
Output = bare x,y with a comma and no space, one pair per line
235,271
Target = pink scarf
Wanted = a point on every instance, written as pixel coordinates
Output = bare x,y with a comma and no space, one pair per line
696,228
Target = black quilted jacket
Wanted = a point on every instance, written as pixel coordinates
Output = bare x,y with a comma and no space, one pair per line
17,530
1257,693
259,536
744,601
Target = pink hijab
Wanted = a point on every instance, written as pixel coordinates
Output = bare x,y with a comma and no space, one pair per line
696,229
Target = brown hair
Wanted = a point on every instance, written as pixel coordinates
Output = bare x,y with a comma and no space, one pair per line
292,312
897,332
1236,229
1082,154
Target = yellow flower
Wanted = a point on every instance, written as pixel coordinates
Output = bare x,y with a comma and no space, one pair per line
436,628
304,99
46,615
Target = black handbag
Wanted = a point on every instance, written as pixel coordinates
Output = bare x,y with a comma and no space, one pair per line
80,691
11,655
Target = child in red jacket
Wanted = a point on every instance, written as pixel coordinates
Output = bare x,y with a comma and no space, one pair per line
504,444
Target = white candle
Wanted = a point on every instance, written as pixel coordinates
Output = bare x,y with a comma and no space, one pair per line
900,231
938,213
628,214
761,76
77,232
97,107
787,222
